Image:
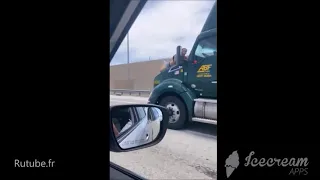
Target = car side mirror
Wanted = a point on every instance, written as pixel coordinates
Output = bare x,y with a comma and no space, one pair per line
131,129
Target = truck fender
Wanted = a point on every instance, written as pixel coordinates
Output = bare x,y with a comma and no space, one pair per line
176,88
188,97
166,86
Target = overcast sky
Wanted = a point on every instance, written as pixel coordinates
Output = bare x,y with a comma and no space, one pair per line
161,27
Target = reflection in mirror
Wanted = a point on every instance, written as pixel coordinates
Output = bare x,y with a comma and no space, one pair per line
134,126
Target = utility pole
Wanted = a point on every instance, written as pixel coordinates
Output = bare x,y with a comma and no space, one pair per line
128,56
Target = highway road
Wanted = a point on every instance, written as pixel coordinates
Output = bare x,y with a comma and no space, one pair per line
185,154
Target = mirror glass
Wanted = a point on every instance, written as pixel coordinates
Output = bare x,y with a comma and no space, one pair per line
135,126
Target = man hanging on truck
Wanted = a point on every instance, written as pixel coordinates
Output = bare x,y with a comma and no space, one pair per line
172,62
183,55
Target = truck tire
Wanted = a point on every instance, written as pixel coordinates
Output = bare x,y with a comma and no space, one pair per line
179,118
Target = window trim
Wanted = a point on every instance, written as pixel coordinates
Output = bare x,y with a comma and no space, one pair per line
138,114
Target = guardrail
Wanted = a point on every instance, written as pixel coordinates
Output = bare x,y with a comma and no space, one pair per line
120,92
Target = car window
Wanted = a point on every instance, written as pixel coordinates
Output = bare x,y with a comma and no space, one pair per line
124,120
141,113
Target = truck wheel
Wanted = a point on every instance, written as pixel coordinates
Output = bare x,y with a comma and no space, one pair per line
178,109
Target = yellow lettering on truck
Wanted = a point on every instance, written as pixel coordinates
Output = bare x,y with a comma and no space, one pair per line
205,68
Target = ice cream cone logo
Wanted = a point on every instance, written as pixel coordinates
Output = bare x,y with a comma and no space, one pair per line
229,171
232,162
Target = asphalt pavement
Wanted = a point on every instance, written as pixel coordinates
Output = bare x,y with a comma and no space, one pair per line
182,154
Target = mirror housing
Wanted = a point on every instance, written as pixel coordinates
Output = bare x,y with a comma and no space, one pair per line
178,55
116,143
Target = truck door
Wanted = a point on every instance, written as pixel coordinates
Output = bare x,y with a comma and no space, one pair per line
202,68
176,72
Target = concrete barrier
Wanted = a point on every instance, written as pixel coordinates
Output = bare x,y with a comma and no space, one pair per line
120,92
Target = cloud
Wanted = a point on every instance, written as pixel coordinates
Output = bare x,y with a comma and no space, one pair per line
161,27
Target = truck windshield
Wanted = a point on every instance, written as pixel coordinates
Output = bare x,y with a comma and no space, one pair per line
207,47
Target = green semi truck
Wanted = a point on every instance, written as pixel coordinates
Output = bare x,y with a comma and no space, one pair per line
189,88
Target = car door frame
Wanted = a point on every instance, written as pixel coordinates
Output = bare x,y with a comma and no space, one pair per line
126,172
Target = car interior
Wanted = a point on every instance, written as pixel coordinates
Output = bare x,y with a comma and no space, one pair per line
122,16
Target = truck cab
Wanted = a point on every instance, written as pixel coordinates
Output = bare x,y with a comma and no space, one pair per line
198,73
189,87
